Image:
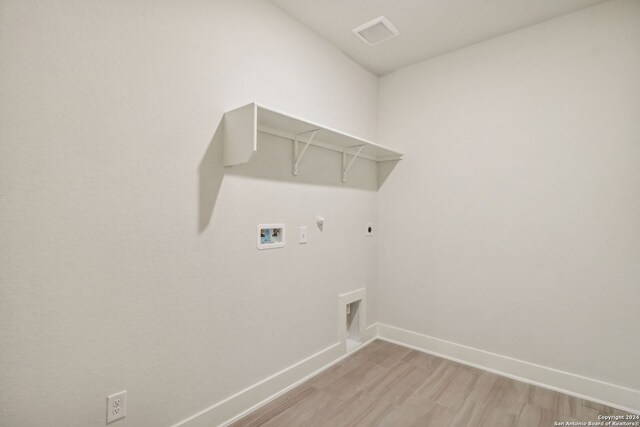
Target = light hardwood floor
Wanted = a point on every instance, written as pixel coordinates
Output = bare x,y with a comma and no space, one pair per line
386,385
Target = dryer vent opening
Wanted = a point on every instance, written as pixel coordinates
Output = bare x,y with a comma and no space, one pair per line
353,325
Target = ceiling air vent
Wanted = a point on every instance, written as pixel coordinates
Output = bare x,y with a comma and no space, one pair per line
376,31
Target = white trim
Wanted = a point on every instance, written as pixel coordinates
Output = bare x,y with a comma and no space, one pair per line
248,400
242,403
616,396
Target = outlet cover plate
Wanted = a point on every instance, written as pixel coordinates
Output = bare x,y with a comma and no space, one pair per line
116,406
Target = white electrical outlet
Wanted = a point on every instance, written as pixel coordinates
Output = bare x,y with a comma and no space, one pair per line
116,406
369,229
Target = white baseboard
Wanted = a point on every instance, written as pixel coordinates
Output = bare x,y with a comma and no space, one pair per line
242,403
587,388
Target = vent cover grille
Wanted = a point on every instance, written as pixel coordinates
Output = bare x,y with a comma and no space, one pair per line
376,31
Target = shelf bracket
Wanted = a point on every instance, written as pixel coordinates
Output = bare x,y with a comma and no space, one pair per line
297,157
346,166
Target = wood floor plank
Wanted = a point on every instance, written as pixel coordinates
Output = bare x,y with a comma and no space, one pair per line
356,380
534,416
426,362
603,409
413,414
360,409
401,382
338,370
314,408
543,398
452,388
263,415
573,407
388,354
436,384
508,395
475,413
484,387
386,385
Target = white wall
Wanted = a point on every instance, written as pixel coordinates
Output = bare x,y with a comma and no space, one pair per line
513,224
128,259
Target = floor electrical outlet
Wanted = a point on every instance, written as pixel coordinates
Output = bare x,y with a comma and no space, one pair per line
116,406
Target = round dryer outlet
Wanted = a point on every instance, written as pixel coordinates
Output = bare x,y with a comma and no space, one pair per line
369,229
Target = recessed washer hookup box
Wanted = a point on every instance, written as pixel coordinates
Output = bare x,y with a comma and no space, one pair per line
270,236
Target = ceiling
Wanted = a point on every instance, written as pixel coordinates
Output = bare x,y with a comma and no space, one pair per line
427,27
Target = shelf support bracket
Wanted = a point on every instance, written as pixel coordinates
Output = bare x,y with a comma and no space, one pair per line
297,157
346,166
